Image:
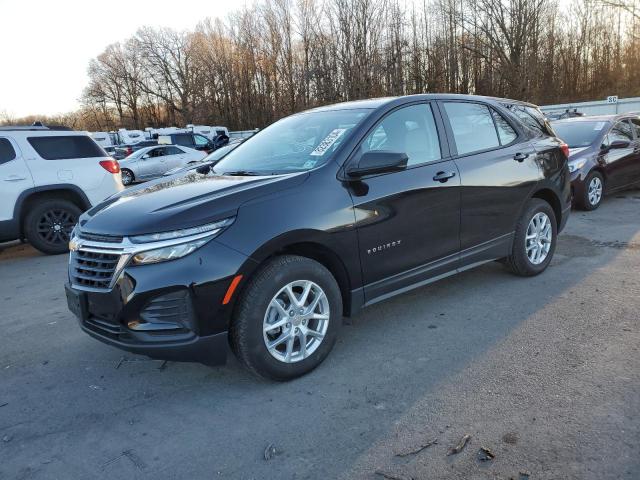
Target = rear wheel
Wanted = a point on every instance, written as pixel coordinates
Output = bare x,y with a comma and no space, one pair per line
534,242
48,225
287,319
127,176
593,191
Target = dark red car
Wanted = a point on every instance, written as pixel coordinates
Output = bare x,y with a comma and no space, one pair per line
604,155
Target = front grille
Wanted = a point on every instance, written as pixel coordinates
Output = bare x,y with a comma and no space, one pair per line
94,237
91,269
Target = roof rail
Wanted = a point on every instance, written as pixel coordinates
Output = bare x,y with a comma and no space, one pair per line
35,128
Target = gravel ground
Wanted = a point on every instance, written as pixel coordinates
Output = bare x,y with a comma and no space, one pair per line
544,372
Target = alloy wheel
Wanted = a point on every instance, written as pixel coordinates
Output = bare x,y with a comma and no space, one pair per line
127,177
538,238
594,191
296,321
55,226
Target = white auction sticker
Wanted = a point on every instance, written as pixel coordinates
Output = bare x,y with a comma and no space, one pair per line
329,140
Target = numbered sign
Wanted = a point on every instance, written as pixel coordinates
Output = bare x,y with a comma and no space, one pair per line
612,99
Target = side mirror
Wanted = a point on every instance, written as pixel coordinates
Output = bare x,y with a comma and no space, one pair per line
380,161
619,144
145,156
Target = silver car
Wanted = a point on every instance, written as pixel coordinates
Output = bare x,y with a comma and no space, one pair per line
155,161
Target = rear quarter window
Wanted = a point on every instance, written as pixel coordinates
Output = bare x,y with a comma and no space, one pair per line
65,147
532,119
7,153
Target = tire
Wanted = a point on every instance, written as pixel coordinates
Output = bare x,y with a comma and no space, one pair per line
519,262
591,198
127,177
48,225
255,309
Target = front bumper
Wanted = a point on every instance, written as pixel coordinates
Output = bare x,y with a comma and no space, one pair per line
171,310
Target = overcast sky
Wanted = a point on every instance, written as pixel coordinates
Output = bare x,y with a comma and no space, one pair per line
46,45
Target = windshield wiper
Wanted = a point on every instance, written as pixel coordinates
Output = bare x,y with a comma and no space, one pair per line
241,173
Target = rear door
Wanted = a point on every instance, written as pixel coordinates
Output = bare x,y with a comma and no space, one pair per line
621,163
175,157
15,177
497,167
408,221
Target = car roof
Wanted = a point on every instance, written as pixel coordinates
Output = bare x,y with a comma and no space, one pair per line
374,103
41,132
596,118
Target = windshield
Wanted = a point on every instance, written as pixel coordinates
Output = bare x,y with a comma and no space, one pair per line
579,134
294,144
219,153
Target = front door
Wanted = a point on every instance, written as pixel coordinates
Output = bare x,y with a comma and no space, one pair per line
408,221
153,164
620,163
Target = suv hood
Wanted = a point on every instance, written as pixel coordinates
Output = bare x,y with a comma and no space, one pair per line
177,202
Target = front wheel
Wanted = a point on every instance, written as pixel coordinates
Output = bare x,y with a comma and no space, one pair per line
287,319
534,242
593,191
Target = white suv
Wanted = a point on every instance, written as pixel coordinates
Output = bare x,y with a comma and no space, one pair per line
48,177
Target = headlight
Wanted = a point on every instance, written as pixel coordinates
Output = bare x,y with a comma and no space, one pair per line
211,229
577,164
167,253
165,246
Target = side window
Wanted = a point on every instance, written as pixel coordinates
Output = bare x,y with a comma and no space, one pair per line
620,131
64,147
530,118
635,123
411,130
173,151
472,126
158,152
184,140
506,133
7,153
200,140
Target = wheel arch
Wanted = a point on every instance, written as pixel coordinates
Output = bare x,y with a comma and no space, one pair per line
549,196
315,249
64,191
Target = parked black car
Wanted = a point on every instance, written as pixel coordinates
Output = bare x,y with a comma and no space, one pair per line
604,155
194,140
315,217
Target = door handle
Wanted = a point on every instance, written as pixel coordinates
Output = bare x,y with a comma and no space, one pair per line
14,178
442,177
520,157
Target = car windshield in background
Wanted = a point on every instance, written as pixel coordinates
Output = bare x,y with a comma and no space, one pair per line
294,144
579,134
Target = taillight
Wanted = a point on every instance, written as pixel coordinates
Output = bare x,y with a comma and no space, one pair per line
129,151
111,166
565,149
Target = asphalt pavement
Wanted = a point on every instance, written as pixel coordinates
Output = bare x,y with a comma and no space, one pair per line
542,372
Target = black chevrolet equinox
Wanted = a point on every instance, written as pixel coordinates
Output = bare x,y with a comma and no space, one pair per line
315,217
